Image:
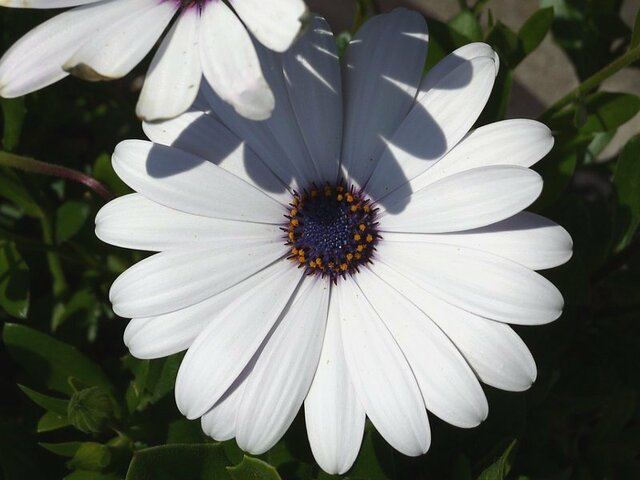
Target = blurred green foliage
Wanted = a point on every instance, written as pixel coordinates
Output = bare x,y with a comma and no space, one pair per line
75,405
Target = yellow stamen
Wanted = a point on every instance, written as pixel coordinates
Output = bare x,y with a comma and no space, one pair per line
357,237
344,267
369,238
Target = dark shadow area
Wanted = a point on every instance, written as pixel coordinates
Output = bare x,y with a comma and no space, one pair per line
214,137
429,143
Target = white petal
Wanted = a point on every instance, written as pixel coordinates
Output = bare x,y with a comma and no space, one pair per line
119,47
224,348
436,123
202,135
182,181
220,422
44,3
509,142
458,57
476,281
334,416
284,370
171,280
173,79
526,238
383,380
275,23
135,222
36,60
384,65
235,75
449,387
173,332
277,140
470,199
312,72
497,355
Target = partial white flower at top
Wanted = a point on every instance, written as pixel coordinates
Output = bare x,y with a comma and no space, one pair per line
106,39
362,251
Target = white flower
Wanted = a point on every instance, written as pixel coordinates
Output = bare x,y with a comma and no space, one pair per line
422,264
106,39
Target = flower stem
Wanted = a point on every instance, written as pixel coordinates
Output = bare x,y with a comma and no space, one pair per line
36,166
593,81
55,265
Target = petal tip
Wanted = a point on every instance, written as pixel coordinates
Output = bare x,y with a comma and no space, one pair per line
255,103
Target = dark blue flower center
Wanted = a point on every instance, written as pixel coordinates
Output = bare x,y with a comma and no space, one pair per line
331,230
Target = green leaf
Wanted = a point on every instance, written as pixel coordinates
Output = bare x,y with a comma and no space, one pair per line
51,360
52,421
90,410
556,170
66,449
253,469
12,188
466,23
88,475
185,431
14,281
501,468
69,220
608,111
376,457
13,111
626,182
83,306
342,42
90,456
605,111
535,29
54,405
506,43
597,145
166,379
169,462
103,171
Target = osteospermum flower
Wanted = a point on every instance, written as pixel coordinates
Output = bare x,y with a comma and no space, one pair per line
362,251
106,39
